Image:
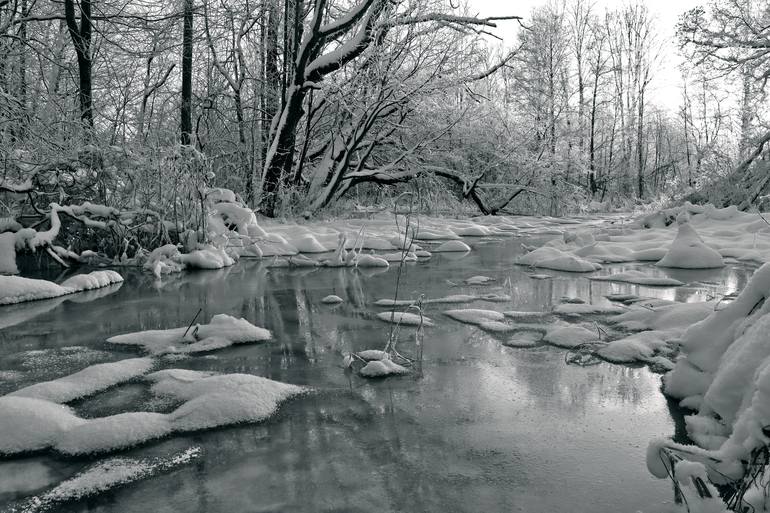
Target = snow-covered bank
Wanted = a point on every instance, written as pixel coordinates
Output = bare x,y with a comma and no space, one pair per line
15,289
724,374
686,237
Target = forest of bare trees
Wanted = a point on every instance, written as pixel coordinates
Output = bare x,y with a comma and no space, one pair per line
298,105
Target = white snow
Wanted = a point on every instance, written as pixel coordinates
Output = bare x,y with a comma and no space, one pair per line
724,373
688,251
640,346
223,329
15,289
207,257
382,368
405,318
88,381
106,475
367,260
19,414
497,326
570,336
558,260
478,280
475,315
452,246
522,316
208,401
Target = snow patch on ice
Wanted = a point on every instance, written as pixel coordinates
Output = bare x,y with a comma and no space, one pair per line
88,381
405,318
222,331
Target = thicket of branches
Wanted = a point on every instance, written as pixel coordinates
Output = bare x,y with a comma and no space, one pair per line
294,104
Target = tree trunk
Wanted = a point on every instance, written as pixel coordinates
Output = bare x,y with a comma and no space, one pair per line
185,123
81,40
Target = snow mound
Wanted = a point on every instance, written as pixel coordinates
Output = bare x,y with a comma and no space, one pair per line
688,251
367,260
88,381
640,278
28,424
639,347
570,336
382,368
309,244
93,280
220,400
222,327
558,260
525,337
106,434
475,315
452,246
675,316
497,327
404,318
472,230
208,402
331,299
522,316
207,257
15,289
478,280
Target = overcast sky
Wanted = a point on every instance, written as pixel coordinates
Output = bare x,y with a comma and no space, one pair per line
667,82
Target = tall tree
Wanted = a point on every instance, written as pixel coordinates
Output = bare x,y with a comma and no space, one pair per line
187,69
81,39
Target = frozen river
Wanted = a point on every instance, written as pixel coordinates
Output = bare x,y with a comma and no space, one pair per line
483,427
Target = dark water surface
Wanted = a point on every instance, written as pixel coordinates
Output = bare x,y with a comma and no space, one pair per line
483,427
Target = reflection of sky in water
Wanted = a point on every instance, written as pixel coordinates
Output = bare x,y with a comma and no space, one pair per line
484,428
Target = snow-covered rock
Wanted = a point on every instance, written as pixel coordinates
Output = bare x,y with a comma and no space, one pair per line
478,280
452,246
474,315
405,318
381,368
688,251
570,336
639,347
558,260
222,331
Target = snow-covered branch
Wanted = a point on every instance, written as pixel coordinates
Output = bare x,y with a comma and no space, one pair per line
16,187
